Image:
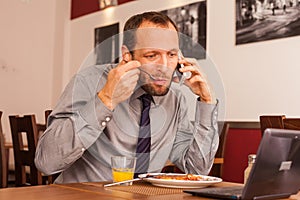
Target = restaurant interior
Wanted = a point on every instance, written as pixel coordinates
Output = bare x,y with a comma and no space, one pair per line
44,43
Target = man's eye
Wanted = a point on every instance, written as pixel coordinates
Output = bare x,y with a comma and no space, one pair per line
150,56
172,54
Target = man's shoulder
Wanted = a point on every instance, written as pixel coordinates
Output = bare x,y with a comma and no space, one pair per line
92,75
95,70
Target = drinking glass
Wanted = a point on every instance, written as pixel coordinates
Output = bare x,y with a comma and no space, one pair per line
123,168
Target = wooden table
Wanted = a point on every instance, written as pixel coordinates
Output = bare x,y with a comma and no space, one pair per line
91,191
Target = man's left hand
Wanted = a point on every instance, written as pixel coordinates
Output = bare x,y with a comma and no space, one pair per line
197,82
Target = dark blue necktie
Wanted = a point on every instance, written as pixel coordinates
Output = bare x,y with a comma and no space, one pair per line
144,140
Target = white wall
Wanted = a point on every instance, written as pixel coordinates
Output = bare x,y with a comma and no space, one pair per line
40,49
259,78
31,56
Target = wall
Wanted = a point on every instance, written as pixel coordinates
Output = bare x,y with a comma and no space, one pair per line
31,56
259,78
41,49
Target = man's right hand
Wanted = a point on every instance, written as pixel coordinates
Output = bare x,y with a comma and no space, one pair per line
120,83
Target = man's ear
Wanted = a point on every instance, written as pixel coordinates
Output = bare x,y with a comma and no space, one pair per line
126,55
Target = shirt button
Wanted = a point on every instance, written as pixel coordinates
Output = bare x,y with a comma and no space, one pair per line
107,119
82,149
103,123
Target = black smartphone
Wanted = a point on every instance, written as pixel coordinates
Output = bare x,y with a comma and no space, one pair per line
178,73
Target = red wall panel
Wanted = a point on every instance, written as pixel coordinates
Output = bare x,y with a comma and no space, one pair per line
83,7
239,144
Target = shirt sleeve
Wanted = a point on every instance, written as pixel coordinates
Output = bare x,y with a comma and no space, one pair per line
73,126
195,146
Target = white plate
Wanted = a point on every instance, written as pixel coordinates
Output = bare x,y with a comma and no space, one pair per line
179,183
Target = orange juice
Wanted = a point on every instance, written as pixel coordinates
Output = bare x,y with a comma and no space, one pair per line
122,174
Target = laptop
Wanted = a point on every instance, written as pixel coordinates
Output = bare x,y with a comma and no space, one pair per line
275,173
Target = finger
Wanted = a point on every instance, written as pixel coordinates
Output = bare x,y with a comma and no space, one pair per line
131,73
197,78
127,66
130,77
188,68
186,61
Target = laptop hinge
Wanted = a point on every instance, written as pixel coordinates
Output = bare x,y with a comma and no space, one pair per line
273,196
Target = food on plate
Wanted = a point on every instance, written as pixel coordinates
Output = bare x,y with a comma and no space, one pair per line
184,177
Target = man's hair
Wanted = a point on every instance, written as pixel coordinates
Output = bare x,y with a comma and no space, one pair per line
134,22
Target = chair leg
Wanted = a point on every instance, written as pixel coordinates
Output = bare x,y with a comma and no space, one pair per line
20,176
35,176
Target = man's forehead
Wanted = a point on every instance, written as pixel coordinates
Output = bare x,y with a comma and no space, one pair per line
156,38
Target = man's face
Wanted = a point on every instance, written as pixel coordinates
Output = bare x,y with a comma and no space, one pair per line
157,50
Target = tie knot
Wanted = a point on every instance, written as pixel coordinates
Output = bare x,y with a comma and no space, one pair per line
146,100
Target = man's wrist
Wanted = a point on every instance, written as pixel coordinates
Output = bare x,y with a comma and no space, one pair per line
105,99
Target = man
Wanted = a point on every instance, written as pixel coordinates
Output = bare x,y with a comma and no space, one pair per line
98,114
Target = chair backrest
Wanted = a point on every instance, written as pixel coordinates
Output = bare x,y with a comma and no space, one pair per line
217,168
242,139
3,159
1,130
271,121
51,178
291,123
47,113
24,153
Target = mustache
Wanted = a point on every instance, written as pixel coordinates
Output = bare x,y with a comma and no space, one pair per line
157,76
160,72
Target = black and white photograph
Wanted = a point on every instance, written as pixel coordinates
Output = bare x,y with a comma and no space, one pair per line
107,44
191,22
260,20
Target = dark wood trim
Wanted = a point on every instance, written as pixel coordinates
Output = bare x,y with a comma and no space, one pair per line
244,124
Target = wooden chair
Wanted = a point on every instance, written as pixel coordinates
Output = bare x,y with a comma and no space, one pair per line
51,178
242,139
271,121
47,113
3,160
24,156
42,127
1,130
279,121
217,168
291,123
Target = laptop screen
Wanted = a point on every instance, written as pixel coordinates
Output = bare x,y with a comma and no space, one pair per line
275,173
277,167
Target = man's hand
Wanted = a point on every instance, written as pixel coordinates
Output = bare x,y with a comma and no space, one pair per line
120,83
197,82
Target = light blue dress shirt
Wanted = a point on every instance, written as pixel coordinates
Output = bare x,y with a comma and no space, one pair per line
83,134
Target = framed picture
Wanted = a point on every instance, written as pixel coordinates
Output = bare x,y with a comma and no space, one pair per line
191,22
260,20
107,44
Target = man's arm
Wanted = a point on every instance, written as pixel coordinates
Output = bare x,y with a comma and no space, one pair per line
195,146
73,126
83,111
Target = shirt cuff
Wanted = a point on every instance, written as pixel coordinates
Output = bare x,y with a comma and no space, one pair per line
96,116
206,113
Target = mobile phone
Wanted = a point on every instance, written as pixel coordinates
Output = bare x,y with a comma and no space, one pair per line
178,73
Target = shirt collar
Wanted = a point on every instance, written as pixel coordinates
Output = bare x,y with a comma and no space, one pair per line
139,92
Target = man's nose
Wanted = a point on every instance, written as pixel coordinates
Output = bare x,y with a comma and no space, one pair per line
164,60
